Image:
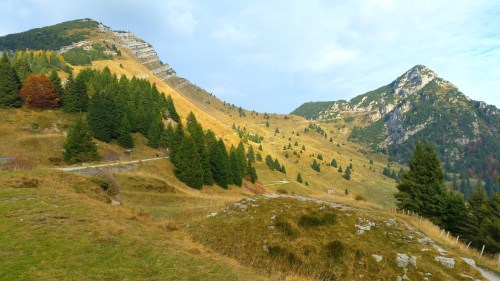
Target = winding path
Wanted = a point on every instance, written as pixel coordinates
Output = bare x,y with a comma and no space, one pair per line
76,168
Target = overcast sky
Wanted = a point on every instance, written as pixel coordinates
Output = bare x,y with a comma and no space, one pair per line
273,56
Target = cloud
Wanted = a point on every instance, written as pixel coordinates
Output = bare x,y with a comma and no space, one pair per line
330,56
231,34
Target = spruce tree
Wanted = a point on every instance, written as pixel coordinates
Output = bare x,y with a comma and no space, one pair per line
172,113
422,188
220,164
252,172
56,82
22,68
154,134
236,171
347,173
124,137
9,84
188,167
75,94
177,139
102,117
196,131
251,154
79,146
333,163
299,178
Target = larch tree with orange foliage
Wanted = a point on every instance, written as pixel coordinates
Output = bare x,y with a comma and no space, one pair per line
39,93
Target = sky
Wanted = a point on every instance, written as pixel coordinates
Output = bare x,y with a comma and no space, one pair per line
272,56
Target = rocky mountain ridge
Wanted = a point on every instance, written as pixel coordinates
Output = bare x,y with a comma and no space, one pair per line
421,105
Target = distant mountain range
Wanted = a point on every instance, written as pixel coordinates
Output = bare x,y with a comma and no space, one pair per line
419,105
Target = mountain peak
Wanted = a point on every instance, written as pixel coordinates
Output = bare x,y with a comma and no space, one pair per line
413,80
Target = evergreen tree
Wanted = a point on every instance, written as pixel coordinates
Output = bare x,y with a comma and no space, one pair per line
155,133
252,172
172,113
220,164
347,173
196,131
56,82
422,187
316,166
299,178
75,95
9,84
340,169
79,146
235,167
188,166
124,137
22,68
251,154
333,163
102,116
177,139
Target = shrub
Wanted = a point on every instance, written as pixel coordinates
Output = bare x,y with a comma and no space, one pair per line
335,249
360,198
287,229
312,220
281,191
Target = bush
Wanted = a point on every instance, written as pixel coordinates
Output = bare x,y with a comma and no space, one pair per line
315,220
287,229
360,198
281,191
335,249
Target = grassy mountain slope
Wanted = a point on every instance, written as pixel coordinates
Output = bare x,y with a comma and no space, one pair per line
69,227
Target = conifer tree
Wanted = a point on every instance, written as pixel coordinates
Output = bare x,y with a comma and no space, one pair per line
9,84
172,113
154,134
235,167
177,139
79,146
252,172
56,82
196,131
22,68
102,117
299,178
333,163
123,135
188,166
75,95
347,173
251,154
220,164
422,187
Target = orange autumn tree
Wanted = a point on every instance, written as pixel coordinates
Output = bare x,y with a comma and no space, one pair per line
39,93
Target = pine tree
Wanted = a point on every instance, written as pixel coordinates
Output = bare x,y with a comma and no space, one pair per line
102,116
340,169
75,94
172,113
347,173
154,134
124,137
9,84
251,154
79,146
220,164
188,167
316,166
56,82
299,178
196,131
333,163
22,68
177,139
422,187
252,172
235,167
